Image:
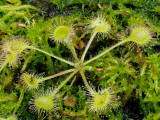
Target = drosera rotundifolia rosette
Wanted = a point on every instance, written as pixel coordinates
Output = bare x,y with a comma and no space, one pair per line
12,47
101,99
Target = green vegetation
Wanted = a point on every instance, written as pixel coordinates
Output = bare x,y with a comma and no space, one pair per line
79,59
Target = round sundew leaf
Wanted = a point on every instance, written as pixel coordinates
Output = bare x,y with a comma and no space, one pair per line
30,80
140,36
15,46
101,100
100,26
44,102
11,58
61,33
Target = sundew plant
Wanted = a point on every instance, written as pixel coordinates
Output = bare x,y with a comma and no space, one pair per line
79,60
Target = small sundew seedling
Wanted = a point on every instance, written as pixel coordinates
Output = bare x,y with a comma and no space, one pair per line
140,35
11,48
100,25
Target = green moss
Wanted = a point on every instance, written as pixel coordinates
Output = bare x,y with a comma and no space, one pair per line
131,70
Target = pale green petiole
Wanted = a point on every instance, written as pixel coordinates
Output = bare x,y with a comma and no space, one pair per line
64,82
58,74
85,82
88,45
58,58
20,101
104,52
73,52
3,65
